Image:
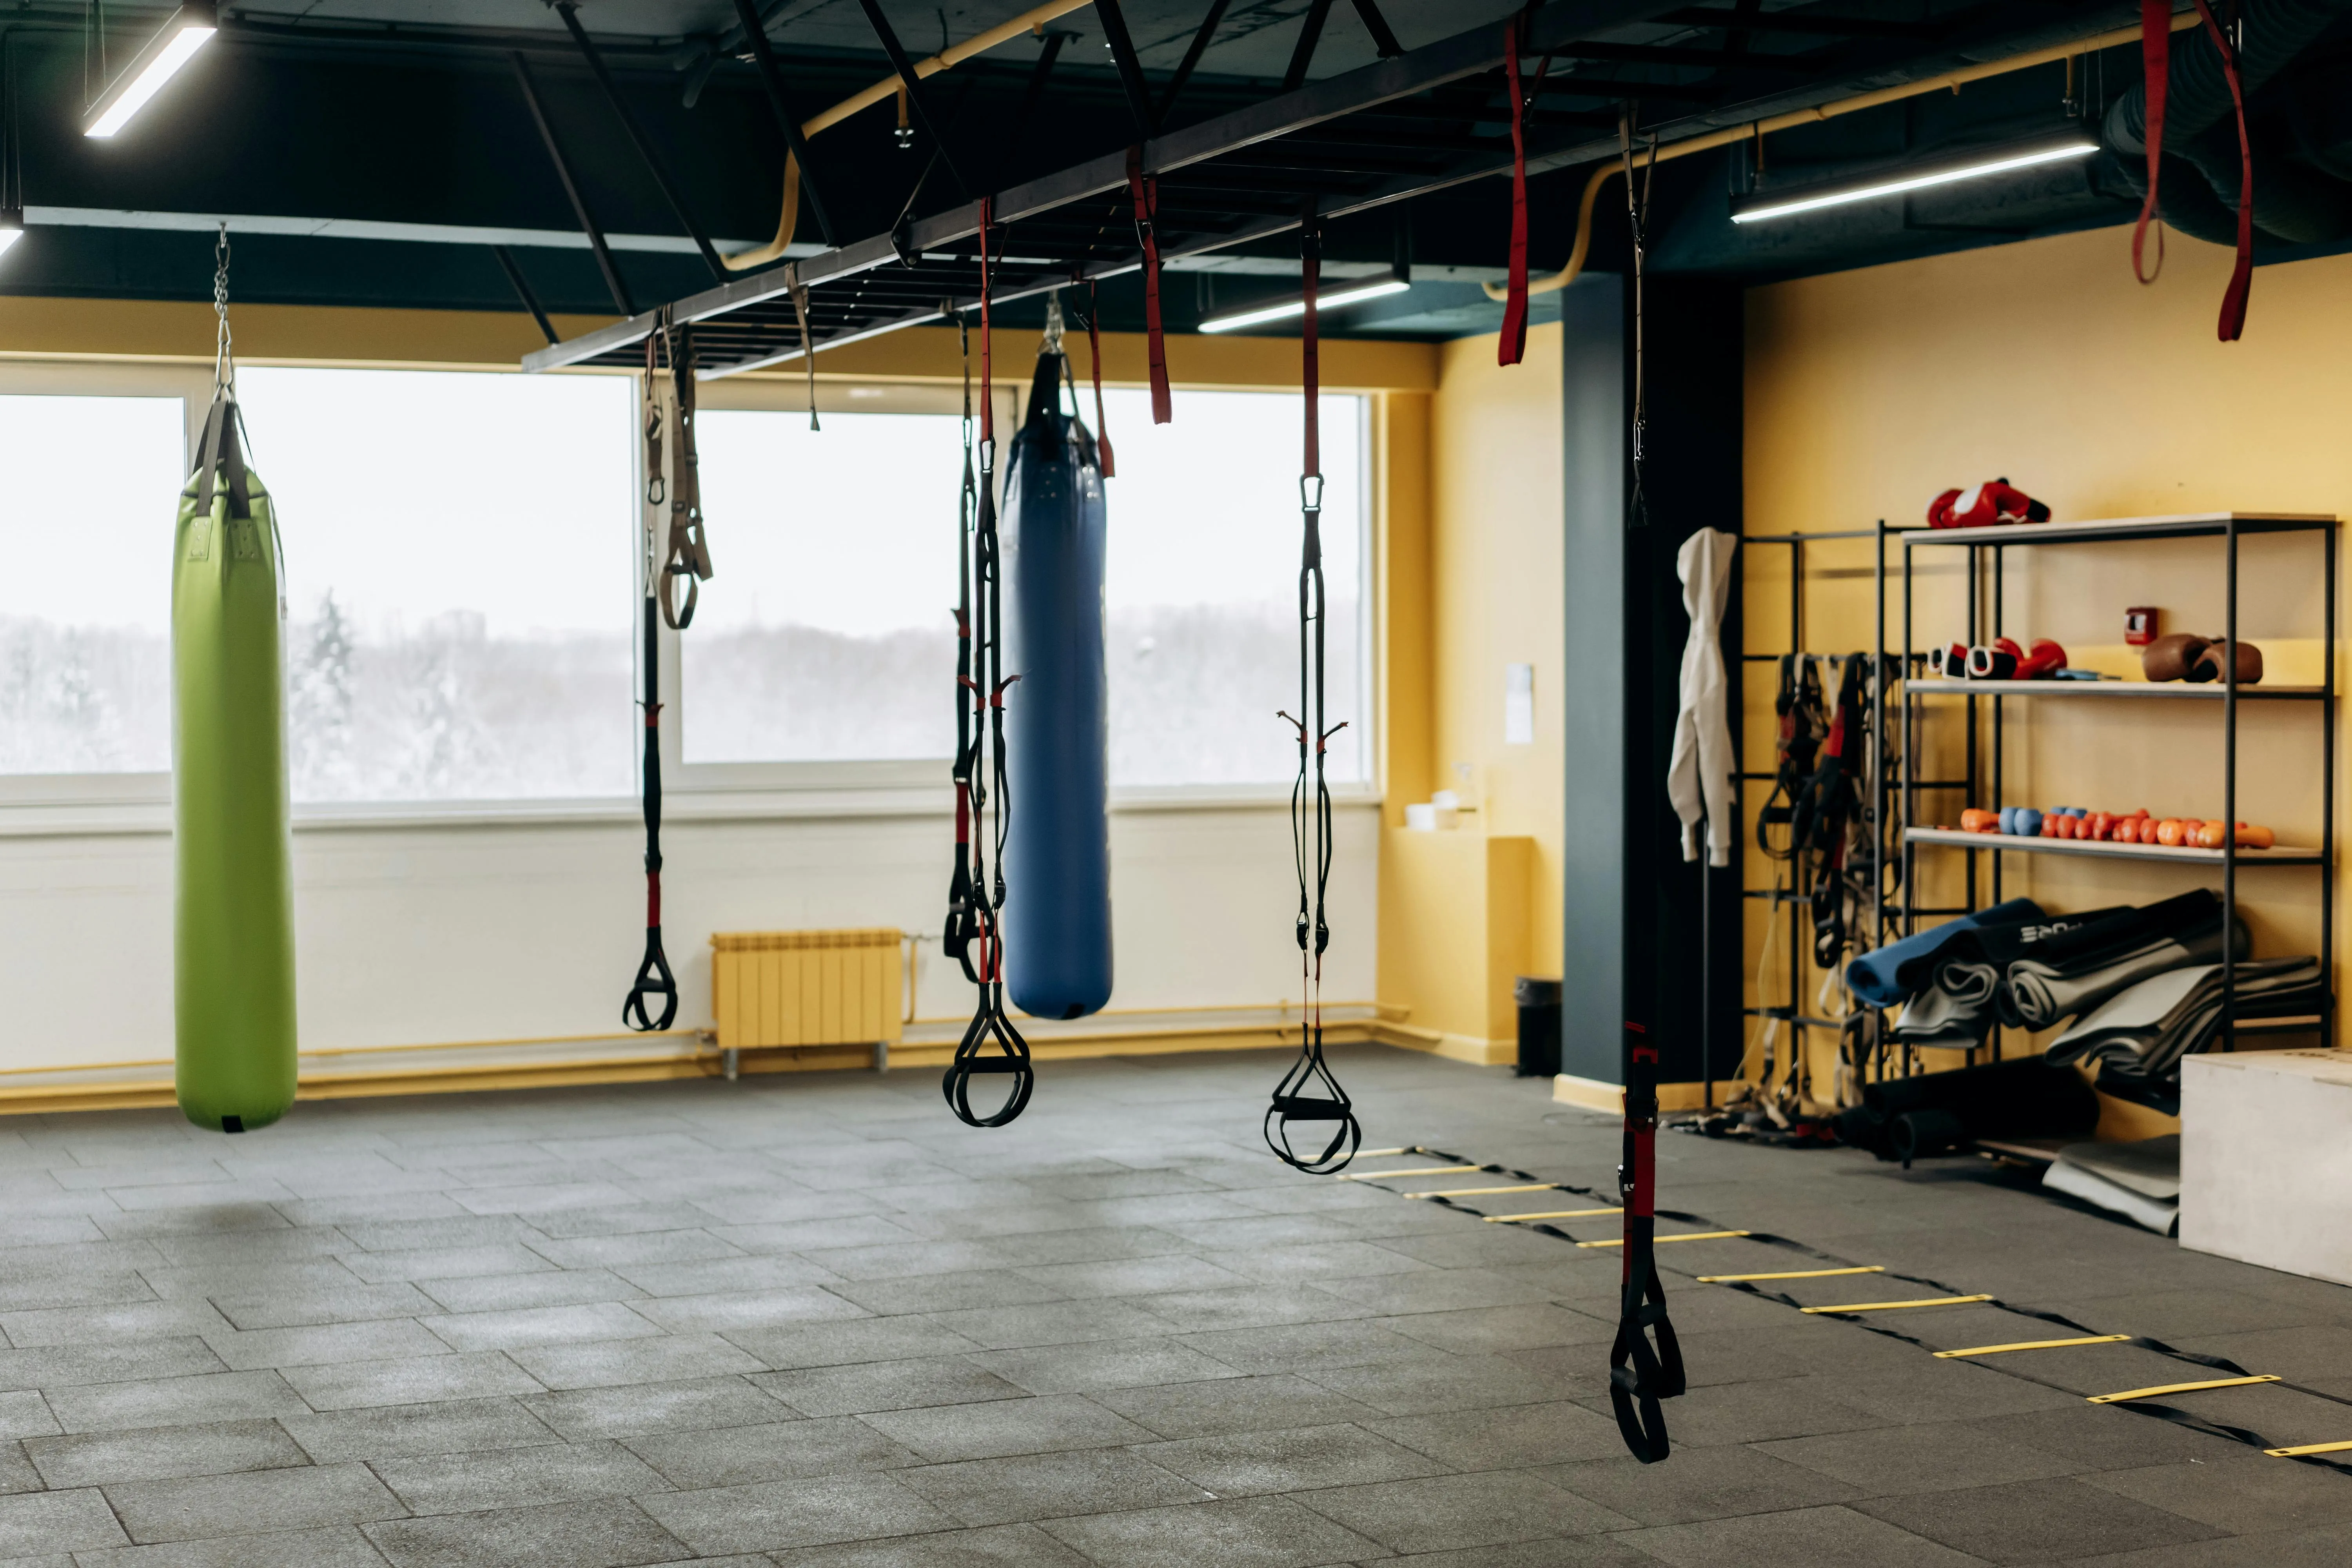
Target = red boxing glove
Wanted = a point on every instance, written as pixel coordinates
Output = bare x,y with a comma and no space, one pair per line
1995,502
2044,663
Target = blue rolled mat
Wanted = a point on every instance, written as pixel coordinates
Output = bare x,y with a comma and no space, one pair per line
1899,970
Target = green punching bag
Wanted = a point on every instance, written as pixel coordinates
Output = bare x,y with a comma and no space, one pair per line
234,908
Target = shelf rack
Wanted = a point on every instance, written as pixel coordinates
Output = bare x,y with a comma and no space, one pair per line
2230,528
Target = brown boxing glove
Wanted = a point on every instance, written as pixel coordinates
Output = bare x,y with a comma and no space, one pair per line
2207,665
2169,657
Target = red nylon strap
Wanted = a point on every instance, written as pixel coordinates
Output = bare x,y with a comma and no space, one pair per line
1146,192
964,816
1513,346
2232,323
987,394
1311,269
1102,426
653,900
2156,59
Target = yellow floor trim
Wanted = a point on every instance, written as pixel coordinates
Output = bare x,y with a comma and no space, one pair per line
1791,1274
1898,1306
2131,1394
2308,1449
1418,1170
2033,1345
1678,1236
1481,1192
1557,1213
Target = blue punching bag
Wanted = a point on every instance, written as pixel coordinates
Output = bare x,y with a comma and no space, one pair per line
1057,720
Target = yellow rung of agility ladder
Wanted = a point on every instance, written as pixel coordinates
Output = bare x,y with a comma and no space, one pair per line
1422,1171
1791,1274
1556,1213
2132,1393
2308,1449
1483,1192
1390,1154
1681,1235
1898,1306
2033,1345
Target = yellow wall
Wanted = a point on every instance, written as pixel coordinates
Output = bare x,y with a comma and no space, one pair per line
1868,392
1457,922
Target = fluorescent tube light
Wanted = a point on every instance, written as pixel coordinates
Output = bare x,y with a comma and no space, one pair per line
190,28
12,229
1913,177
1296,304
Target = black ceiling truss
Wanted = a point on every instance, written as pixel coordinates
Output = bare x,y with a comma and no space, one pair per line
1422,121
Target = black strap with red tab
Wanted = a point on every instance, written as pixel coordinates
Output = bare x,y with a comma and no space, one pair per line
991,1045
652,1003
1146,192
1309,1092
2156,56
963,918
1645,1364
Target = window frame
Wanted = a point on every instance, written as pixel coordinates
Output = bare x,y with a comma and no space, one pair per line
45,805
898,784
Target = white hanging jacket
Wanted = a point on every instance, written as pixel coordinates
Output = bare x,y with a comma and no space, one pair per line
1698,778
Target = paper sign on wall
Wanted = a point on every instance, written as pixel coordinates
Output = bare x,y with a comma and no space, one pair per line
1518,705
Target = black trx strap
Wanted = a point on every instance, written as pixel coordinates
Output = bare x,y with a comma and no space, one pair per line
1642,1373
963,918
1799,707
1309,1092
655,983
984,680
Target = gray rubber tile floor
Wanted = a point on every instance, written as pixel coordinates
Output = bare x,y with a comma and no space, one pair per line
810,1321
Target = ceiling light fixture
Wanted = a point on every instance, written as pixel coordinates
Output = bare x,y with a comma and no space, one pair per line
1296,304
1969,165
190,28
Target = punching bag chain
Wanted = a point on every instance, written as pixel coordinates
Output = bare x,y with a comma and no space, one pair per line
654,987
991,1045
1309,1092
224,359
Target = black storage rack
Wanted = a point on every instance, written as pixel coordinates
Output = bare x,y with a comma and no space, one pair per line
1987,551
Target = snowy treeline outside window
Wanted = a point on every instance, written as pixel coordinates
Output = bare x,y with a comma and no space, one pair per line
459,609
86,611
829,633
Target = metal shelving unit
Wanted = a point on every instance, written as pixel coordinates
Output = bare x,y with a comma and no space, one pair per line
1987,548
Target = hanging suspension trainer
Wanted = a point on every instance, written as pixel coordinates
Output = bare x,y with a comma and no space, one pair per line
1309,1092
1512,347
991,1045
1145,190
1641,1369
963,919
673,517
1094,350
1637,213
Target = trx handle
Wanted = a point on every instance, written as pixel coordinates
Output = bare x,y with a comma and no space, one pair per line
1145,190
1645,1362
654,977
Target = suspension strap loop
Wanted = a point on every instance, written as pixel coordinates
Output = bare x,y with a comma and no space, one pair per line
1145,190
2156,57
1309,1092
1513,347
1645,1362
688,554
963,924
991,1045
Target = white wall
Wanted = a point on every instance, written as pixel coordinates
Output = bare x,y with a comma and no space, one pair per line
439,932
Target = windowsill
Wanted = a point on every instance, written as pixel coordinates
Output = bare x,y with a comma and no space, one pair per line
152,817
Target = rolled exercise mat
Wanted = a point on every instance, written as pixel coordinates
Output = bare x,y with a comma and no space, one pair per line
234,903
2025,1098
1057,950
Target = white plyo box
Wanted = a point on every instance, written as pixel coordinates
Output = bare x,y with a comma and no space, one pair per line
2266,1160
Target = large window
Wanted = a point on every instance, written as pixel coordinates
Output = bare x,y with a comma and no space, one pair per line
826,636
86,606
460,556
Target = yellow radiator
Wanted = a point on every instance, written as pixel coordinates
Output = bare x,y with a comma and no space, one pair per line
805,987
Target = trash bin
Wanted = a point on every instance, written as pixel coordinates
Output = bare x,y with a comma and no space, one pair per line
1538,1026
